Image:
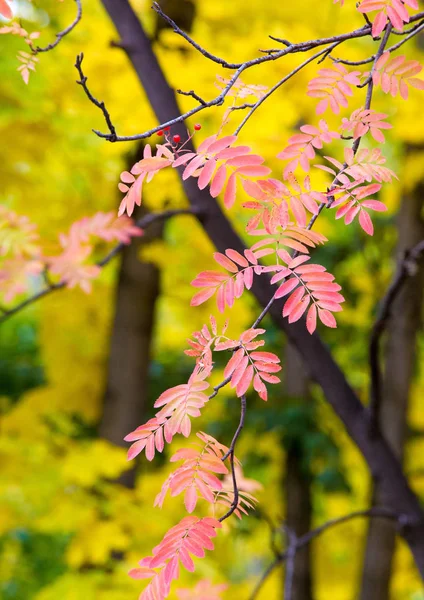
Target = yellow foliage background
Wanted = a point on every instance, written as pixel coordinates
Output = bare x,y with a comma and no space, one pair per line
53,169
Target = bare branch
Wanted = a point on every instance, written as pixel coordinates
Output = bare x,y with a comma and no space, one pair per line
412,32
239,68
305,539
407,267
54,287
281,82
193,94
62,34
230,454
100,104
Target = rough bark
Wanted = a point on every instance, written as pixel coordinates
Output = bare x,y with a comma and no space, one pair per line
399,367
298,479
380,458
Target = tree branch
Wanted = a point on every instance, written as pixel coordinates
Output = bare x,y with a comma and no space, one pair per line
406,268
231,454
238,67
305,539
62,34
100,104
355,63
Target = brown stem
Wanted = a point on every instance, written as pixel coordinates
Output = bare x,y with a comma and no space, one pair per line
64,32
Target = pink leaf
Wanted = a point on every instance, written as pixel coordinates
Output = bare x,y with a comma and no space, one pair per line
327,318
366,223
311,319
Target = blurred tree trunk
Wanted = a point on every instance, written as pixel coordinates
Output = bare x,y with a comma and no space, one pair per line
130,344
298,479
399,367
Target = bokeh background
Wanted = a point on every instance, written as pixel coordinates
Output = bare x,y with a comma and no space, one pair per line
74,368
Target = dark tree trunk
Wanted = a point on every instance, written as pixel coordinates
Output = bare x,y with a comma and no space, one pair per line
399,366
128,371
380,458
137,291
298,479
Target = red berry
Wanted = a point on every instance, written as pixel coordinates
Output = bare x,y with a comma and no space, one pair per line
167,128
160,132
197,126
177,138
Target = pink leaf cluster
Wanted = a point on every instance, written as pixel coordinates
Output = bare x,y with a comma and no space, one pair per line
294,237
394,11
239,89
104,226
248,366
395,74
219,164
20,251
362,121
245,365
353,199
302,146
203,342
143,170
333,85
314,291
227,286
197,475
246,501
178,405
365,165
273,199
70,266
190,537
272,209
16,274
18,236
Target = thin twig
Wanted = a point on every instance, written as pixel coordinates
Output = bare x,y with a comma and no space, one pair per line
141,224
239,68
100,104
61,34
231,454
280,83
407,267
193,94
305,539
355,63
